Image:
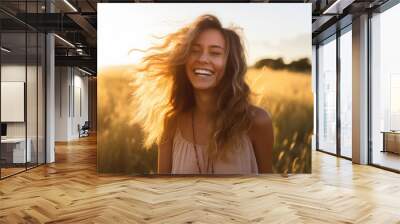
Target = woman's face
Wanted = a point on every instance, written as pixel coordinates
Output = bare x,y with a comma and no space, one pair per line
205,65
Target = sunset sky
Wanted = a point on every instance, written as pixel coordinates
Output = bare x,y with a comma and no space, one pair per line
271,30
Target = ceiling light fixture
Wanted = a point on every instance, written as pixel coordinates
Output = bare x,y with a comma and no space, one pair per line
331,7
70,5
64,40
337,7
5,50
84,71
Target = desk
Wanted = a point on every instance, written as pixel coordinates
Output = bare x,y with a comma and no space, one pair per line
391,141
16,147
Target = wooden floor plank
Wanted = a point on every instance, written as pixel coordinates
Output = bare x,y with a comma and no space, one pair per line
71,191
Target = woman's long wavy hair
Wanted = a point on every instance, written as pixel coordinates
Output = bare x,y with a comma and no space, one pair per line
163,91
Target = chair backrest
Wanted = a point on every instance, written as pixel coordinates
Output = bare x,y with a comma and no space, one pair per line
86,125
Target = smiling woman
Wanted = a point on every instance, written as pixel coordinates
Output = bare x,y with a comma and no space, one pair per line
206,62
192,100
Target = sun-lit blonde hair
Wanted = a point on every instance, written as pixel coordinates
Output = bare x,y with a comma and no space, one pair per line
163,91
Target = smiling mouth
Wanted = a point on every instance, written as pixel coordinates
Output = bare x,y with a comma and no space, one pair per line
203,72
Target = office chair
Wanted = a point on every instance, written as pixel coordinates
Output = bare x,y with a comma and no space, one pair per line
84,130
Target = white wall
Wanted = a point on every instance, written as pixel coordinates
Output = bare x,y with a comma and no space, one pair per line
62,81
80,110
12,73
71,94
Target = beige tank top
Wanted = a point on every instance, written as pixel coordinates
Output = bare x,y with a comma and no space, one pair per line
241,160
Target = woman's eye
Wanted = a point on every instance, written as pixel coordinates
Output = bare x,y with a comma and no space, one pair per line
195,51
216,53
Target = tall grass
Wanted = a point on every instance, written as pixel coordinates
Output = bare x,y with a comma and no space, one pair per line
120,142
288,98
285,95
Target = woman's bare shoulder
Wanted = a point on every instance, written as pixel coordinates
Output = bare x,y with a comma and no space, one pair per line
260,117
171,125
261,122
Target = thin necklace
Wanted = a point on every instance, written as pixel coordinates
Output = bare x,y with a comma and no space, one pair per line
195,150
194,144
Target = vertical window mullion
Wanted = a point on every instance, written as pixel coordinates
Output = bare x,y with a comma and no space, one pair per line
317,97
26,86
0,94
338,73
369,89
37,90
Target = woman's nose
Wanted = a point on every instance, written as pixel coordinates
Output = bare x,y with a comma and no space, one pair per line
204,57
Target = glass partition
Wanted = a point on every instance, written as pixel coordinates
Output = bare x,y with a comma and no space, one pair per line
15,150
385,89
327,96
22,88
346,93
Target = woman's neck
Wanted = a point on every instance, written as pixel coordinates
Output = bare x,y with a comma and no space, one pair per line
206,103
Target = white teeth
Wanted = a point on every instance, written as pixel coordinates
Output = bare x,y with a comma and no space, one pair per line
202,72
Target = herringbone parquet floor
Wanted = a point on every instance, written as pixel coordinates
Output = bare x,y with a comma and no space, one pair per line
70,191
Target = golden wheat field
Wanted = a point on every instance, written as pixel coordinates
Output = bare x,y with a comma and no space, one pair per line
285,95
